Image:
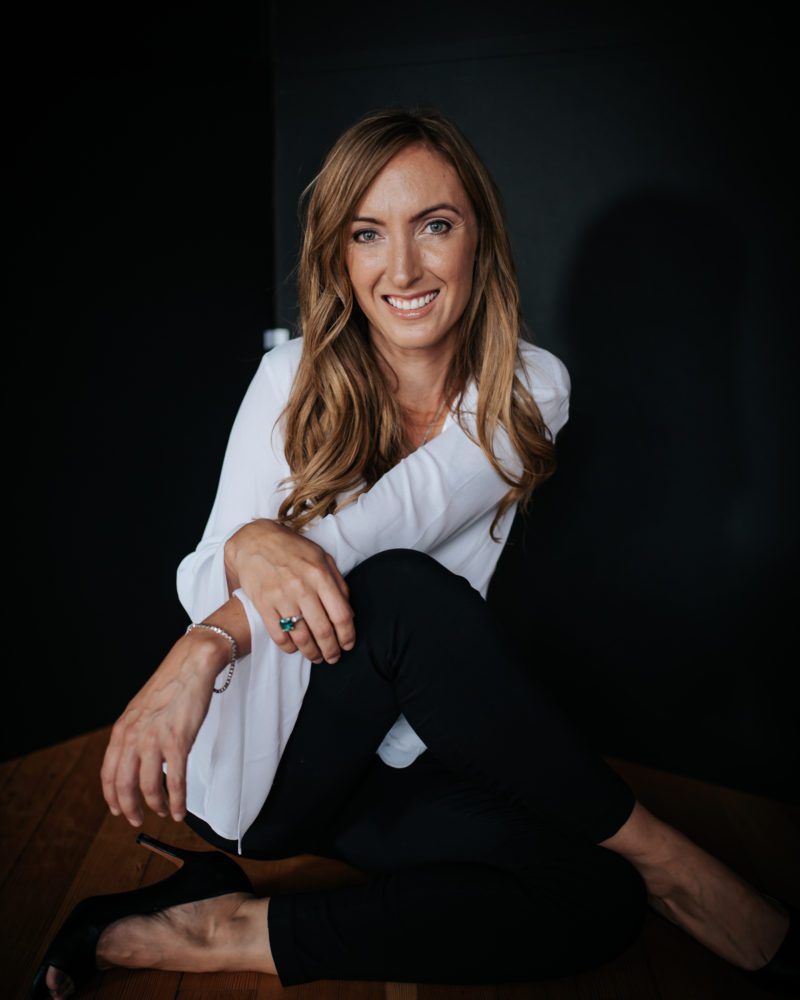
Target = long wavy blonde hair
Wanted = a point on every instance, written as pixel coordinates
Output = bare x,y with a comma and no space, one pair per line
343,425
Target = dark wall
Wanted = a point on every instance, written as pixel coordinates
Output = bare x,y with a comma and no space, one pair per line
140,220
647,170
649,180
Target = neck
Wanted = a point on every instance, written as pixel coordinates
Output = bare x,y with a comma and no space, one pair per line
419,376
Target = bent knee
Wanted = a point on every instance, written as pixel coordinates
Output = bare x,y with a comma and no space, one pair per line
398,562
405,572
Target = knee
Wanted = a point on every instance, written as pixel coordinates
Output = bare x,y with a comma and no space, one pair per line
409,584
397,565
407,576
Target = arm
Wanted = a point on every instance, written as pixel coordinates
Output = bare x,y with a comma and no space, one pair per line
442,487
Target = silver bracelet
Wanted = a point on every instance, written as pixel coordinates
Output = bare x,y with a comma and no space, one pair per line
234,650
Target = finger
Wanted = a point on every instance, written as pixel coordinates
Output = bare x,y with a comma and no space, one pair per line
340,580
319,626
151,781
176,784
108,773
127,786
304,640
265,605
299,637
338,611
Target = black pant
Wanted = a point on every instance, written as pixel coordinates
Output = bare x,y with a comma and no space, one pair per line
484,852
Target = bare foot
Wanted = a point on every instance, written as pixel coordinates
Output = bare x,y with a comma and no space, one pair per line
224,934
693,889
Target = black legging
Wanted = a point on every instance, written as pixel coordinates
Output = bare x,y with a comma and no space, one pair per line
483,853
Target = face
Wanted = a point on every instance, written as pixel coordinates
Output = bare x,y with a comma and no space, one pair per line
410,252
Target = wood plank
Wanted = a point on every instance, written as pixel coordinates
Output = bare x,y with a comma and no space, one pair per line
401,991
269,988
223,994
440,991
7,768
545,989
336,989
32,784
436,991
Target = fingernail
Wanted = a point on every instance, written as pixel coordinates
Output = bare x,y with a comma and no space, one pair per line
348,645
334,659
114,812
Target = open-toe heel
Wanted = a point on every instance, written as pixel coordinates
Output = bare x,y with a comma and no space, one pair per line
781,975
202,875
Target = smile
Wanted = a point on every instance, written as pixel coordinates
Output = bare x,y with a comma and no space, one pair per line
413,307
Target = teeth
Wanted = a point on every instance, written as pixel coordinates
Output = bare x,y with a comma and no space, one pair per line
412,303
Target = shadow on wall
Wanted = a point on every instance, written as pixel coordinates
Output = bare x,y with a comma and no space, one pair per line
657,452
667,609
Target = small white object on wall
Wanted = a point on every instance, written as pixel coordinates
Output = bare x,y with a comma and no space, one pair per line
272,338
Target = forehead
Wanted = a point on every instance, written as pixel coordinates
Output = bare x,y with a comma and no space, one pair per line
416,174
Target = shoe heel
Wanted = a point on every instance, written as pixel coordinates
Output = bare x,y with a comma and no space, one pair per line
167,851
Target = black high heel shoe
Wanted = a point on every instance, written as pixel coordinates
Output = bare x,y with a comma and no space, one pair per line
203,875
782,973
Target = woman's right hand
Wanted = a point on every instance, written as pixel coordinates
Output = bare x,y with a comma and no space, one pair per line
285,574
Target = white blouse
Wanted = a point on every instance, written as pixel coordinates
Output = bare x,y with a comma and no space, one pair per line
440,499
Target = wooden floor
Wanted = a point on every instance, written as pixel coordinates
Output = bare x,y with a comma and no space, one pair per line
59,843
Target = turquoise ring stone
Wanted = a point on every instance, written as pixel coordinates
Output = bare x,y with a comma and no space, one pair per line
287,624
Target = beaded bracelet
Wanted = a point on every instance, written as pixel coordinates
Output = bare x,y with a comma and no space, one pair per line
234,650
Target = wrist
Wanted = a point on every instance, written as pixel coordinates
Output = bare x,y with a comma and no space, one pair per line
206,653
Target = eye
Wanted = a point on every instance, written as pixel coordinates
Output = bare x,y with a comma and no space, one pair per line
365,232
440,222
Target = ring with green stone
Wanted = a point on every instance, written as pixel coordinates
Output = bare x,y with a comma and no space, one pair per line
287,624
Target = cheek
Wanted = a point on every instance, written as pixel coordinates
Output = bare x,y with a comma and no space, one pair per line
453,264
362,275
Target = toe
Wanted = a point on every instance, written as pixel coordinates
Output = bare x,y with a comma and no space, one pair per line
59,983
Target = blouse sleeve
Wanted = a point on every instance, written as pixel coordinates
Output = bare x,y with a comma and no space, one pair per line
247,490
444,486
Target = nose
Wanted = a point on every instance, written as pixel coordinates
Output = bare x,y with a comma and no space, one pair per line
404,265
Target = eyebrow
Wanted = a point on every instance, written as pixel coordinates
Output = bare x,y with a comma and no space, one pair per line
414,218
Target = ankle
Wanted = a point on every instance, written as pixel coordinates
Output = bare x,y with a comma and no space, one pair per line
658,851
645,839
242,942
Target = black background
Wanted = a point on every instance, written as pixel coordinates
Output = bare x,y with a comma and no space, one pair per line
649,178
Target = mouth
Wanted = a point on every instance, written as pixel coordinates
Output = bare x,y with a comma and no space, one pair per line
411,307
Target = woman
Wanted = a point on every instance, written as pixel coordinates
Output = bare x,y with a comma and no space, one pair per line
338,600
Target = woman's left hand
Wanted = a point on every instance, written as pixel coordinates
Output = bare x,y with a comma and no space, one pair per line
160,724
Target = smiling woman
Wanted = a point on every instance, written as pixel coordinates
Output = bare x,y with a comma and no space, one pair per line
409,296
372,709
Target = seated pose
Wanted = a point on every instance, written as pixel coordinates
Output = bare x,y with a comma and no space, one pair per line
343,688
